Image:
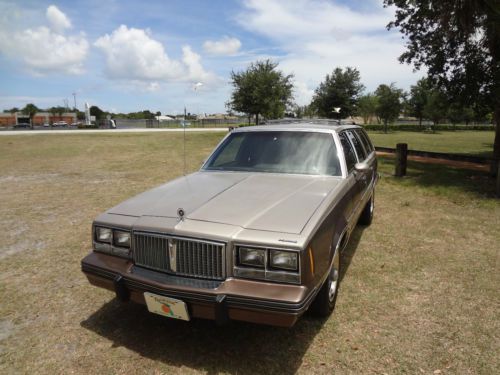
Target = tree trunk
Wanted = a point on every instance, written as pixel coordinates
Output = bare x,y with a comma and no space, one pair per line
420,121
256,119
496,143
385,126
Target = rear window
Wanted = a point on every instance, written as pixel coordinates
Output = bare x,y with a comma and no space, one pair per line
360,151
365,140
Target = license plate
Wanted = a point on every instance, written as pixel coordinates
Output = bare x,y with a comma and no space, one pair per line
169,307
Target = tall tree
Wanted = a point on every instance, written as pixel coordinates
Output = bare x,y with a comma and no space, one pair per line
30,110
419,95
459,43
367,107
388,103
436,106
261,90
341,89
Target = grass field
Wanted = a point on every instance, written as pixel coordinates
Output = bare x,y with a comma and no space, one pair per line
460,142
419,289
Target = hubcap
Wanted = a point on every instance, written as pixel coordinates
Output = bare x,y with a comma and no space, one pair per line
334,276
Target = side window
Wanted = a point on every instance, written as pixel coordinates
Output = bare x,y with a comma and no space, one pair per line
365,140
350,156
360,151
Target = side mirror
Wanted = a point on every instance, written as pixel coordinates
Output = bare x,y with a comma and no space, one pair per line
362,167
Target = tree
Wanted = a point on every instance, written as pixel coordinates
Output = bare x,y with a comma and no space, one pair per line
419,95
30,110
12,110
388,103
367,107
261,90
340,89
459,43
97,112
436,106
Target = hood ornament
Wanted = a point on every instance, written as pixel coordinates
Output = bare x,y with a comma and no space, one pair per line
181,213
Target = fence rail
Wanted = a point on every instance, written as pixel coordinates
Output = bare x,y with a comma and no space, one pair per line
440,155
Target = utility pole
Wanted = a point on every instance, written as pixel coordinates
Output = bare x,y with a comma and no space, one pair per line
74,98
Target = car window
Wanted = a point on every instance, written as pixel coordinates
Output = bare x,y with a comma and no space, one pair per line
358,147
277,152
365,140
350,156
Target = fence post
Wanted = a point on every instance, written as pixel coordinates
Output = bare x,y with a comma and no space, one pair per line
401,157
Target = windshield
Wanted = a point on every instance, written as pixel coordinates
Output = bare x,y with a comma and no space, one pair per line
277,152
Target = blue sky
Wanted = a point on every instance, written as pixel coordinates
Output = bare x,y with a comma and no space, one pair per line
131,55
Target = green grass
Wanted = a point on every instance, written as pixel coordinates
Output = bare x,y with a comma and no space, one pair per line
459,142
419,289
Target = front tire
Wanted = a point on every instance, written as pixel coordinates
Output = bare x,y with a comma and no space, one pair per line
325,300
367,214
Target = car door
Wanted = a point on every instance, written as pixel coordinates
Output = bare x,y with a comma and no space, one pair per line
352,180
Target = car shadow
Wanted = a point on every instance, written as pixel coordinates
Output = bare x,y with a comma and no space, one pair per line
236,348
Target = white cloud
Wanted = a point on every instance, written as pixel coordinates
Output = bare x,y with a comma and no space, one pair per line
58,20
133,55
46,50
224,47
317,36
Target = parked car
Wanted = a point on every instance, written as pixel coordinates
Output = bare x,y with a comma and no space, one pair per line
255,235
76,124
60,124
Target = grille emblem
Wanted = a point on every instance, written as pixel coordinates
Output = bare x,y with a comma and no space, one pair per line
181,213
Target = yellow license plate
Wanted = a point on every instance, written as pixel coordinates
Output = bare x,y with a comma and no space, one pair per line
169,307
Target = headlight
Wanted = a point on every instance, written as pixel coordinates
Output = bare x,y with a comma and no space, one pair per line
252,257
267,264
286,260
103,234
121,238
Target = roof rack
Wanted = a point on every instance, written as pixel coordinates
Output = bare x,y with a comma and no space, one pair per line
321,121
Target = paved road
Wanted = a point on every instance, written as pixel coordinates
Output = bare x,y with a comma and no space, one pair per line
91,131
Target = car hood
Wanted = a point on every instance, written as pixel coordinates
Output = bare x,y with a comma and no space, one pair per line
260,201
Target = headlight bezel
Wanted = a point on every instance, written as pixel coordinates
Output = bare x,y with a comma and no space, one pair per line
110,246
268,272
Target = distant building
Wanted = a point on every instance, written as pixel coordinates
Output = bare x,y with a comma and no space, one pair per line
163,118
40,118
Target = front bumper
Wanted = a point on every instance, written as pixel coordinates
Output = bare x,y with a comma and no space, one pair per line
231,299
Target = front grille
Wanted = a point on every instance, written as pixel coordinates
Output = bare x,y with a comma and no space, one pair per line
200,259
193,258
151,251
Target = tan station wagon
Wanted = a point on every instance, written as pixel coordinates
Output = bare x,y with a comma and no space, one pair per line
255,235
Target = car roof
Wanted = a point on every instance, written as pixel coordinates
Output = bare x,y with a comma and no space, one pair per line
321,125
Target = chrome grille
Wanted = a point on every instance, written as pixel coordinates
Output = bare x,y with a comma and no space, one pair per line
200,259
194,258
151,251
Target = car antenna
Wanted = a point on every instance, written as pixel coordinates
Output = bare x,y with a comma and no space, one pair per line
184,140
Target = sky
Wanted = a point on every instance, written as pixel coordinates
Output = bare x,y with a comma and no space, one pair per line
126,56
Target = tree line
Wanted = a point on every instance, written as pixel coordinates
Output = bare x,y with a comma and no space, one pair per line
263,90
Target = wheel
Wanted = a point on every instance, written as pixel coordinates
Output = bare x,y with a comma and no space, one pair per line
324,303
367,214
